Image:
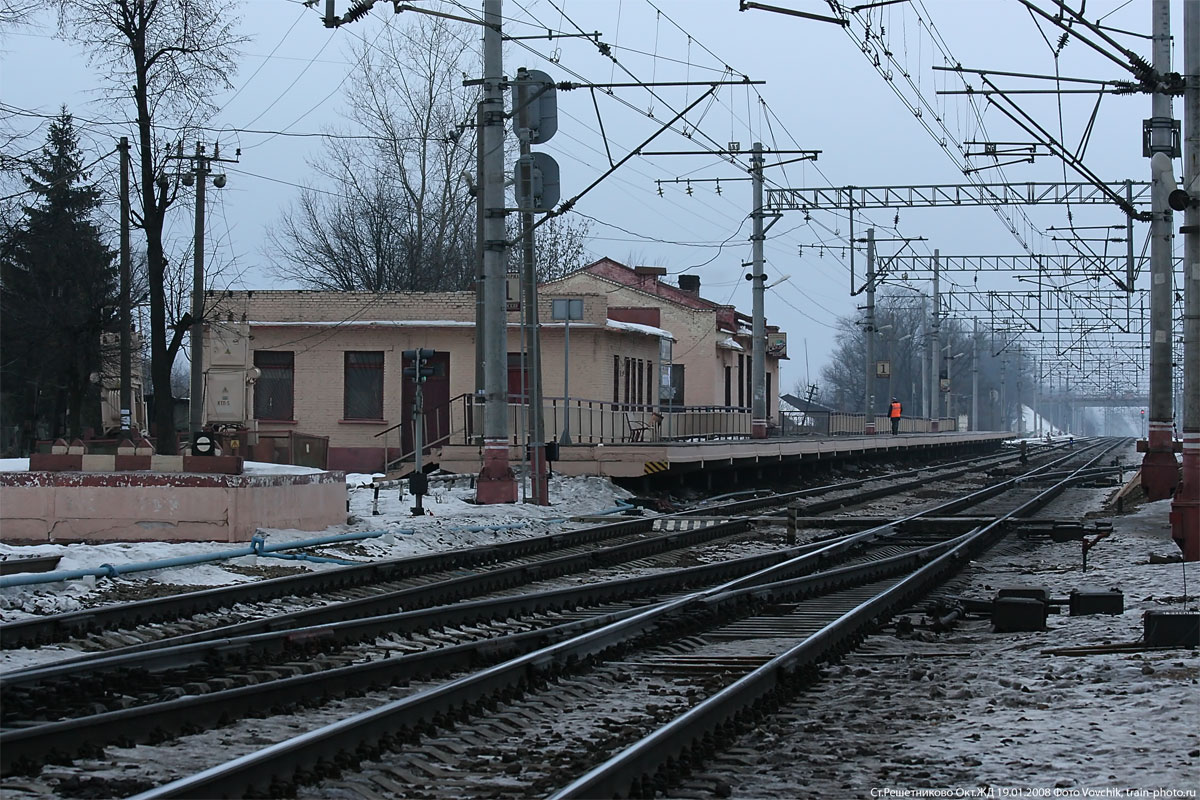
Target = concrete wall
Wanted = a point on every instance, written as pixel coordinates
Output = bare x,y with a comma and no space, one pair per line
94,507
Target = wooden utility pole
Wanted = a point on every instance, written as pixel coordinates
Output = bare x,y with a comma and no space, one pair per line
126,316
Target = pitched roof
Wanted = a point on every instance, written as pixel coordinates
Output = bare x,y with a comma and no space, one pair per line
615,272
803,404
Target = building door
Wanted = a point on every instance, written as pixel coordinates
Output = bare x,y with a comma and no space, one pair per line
518,379
436,395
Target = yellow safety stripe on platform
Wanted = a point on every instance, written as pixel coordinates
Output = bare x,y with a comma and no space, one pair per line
656,466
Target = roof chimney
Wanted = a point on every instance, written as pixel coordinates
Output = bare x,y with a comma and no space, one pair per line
690,283
648,275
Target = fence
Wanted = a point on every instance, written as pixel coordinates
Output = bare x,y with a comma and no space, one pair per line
836,423
603,422
277,447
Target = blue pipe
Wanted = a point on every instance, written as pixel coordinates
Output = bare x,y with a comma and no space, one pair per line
257,547
731,494
482,528
307,557
614,510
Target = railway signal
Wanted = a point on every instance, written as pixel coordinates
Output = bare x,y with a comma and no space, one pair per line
417,367
418,370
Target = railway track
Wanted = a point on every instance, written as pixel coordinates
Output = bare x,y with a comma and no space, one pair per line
541,633
274,603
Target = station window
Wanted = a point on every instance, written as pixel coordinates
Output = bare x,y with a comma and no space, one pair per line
275,389
616,378
364,385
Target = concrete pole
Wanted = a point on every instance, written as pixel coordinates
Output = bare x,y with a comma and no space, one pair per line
1160,472
924,362
1020,400
565,436
869,333
496,481
126,400
758,349
539,486
975,374
197,330
1004,388
935,346
1185,509
480,314
949,382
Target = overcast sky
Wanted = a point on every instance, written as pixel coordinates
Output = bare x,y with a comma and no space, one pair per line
821,93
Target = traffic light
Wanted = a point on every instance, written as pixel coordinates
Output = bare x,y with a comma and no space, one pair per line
417,366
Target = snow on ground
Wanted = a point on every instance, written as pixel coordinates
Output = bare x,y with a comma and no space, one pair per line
972,710
452,521
959,712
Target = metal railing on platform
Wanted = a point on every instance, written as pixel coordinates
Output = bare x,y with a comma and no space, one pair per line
606,422
459,421
837,423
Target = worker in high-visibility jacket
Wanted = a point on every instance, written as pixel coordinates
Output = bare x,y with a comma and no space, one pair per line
894,415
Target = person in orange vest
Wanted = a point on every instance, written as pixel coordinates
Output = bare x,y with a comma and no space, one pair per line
894,414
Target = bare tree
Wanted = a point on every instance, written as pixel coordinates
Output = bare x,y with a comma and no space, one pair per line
167,58
15,13
558,248
396,211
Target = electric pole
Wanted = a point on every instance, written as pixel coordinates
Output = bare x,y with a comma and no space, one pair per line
935,349
496,482
126,398
197,341
1185,508
924,359
200,169
869,329
758,348
1160,472
974,374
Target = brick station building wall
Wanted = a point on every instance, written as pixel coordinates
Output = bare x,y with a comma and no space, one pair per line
391,322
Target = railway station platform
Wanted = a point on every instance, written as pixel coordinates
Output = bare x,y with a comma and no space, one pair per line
735,459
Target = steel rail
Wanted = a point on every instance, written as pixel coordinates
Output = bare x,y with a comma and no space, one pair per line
295,624
58,627
265,770
261,771
25,748
315,624
674,742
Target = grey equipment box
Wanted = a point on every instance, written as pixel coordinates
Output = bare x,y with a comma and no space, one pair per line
1171,629
1039,593
1096,602
1018,614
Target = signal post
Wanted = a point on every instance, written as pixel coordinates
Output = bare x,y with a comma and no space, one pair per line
417,369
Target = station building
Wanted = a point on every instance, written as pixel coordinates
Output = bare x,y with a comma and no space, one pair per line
636,351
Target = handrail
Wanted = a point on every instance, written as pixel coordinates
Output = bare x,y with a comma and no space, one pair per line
447,404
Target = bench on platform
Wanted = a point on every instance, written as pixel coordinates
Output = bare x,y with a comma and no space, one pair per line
638,426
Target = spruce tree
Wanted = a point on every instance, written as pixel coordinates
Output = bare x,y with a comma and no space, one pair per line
58,294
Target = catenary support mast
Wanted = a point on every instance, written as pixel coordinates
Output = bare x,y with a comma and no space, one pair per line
1185,510
758,349
1160,472
496,482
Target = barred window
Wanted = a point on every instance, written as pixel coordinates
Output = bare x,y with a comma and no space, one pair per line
275,389
364,385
